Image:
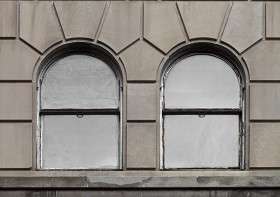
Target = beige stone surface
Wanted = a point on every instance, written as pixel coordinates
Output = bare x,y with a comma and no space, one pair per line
162,26
141,101
273,19
122,25
264,145
15,145
38,24
141,145
244,26
80,18
203,19
263,61
17,61
8,18
141,62
265,101
15,101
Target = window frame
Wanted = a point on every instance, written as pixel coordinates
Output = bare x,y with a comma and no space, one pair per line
217,53
51,59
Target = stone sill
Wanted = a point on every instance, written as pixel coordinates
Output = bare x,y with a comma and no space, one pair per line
245,179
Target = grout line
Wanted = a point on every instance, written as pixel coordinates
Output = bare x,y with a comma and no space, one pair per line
264,21
130,45
30,46
102,21
18,20
182,22
248,48
226,17
142,20
59,22
155,47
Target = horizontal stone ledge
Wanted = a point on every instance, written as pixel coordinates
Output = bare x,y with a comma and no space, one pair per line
129,182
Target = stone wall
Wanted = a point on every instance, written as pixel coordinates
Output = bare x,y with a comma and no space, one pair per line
141,36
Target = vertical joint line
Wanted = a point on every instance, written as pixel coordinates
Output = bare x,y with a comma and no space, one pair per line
18,20
264,21
59,22
142,20
226,17
102,20
182,22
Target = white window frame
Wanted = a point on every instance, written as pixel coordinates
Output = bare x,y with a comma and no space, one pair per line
46,65
241,112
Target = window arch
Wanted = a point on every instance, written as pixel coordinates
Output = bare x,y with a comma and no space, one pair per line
79,113
202,113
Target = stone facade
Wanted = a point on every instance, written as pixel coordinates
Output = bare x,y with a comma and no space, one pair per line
141,36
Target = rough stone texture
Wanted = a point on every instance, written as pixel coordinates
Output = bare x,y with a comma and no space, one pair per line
15,145
122,25
17,60
141,62
141,101
203,19
272,19
8,18
263,61
141,145
162,25
15,101
244,26
264,145
265,101
38,25
80,18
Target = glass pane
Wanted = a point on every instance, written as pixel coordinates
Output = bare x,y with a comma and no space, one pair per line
79,81
194,142
70,142
202,81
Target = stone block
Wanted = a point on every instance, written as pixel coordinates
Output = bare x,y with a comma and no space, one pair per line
264,145
141,145
8,18
244,25
80,18
38,25
203,19
15,145
265,101
263,61
17,60
141,62
122,24
141,101
272,19
162,26
15,101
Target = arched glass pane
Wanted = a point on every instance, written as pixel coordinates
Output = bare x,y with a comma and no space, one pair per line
79,81
202,81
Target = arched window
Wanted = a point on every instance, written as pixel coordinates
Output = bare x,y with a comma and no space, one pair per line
79,113
201,113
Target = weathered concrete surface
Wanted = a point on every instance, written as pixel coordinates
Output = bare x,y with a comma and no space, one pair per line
263,61
162,25
272,20
38,24
265,101
141,62
17,60
264,145
16,101
203,19
130,182
244,26
15,145
80,18
141,102
8,18
122,25
141,145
